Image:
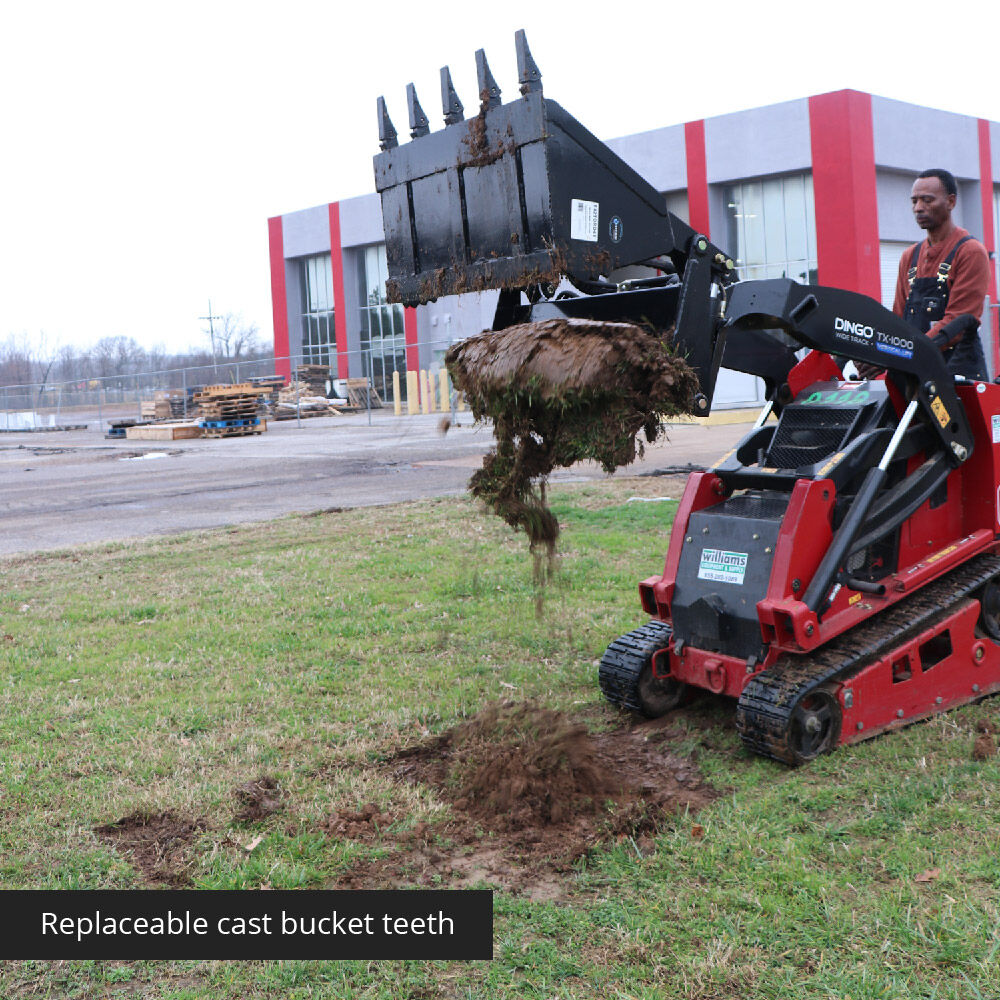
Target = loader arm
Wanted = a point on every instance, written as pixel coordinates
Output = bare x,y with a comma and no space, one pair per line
854,326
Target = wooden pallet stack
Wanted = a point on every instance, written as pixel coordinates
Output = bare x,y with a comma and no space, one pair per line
314,376
166,404
361,394
299,400
229,410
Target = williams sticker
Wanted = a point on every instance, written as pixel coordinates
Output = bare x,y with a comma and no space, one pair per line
583,219
615,229
723,566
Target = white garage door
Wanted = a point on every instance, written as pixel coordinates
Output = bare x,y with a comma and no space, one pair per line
890,253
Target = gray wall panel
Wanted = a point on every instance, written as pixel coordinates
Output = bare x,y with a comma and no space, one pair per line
909,137
659,156
361,221
969,208
306,232
350,307
293,298
895,214
771,140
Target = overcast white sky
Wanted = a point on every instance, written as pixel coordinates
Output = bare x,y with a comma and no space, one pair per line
145,145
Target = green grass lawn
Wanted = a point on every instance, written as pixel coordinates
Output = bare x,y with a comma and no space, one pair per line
161,675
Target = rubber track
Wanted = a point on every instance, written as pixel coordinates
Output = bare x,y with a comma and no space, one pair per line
765,707
624,659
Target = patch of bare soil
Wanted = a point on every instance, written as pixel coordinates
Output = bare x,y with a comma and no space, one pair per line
531,791
156,844
258,799
561,391
985,745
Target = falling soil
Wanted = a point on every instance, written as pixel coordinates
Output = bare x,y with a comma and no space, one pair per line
156,844
258,799
530,792
558,392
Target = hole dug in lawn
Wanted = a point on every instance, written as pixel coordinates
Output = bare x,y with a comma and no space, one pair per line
531,791
156,844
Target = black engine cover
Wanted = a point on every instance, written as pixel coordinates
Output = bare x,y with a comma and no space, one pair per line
724,571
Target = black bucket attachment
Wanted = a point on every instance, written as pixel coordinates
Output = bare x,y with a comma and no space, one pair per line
517,196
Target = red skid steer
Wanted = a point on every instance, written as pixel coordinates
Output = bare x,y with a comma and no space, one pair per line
837,572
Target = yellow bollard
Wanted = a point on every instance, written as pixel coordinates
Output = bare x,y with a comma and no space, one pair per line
445,395
431,392
460,402
424,408
412,393
397,404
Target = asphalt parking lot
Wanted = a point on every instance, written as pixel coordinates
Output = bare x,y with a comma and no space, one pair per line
65,488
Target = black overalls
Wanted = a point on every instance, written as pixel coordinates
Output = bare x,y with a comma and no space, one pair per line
926,304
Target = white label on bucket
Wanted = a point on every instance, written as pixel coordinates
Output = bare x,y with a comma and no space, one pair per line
583,220
722,566
996,428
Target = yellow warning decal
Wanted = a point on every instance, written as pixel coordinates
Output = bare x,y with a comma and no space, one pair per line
833,461
940,411
854,599
940,555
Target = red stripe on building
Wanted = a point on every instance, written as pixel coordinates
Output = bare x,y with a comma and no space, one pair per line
339,312
697,177
844,186
279,297
410,339
989,234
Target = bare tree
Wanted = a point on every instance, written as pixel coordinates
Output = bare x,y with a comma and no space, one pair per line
18,360
234,339
118,356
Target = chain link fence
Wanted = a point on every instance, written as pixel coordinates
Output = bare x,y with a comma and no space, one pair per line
96,403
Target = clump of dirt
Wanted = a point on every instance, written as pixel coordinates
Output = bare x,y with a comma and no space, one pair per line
558,392
519,766
258,799
985,745
530,791
155,844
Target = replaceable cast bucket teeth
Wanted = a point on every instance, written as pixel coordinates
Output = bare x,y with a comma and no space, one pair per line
516,196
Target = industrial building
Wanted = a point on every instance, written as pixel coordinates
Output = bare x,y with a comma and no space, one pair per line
815,189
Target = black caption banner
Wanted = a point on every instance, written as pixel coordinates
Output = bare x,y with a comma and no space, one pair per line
215,924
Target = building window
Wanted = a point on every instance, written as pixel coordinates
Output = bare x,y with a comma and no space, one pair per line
319,339
383,347
771,226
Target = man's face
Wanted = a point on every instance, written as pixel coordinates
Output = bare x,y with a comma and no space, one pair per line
932,205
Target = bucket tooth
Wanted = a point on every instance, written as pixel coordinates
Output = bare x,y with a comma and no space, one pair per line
453,110
387,138
528,74
419,125
489,92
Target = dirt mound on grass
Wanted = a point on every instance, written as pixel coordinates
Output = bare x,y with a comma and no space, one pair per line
558,392
258,799
530,792
157,844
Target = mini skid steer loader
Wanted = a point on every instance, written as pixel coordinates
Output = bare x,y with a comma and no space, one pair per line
838,571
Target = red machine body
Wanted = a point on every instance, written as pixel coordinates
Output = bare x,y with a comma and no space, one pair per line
932,642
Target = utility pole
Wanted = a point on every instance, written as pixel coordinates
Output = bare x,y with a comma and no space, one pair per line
211,333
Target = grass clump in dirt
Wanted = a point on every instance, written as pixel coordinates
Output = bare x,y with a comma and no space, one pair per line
561,391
